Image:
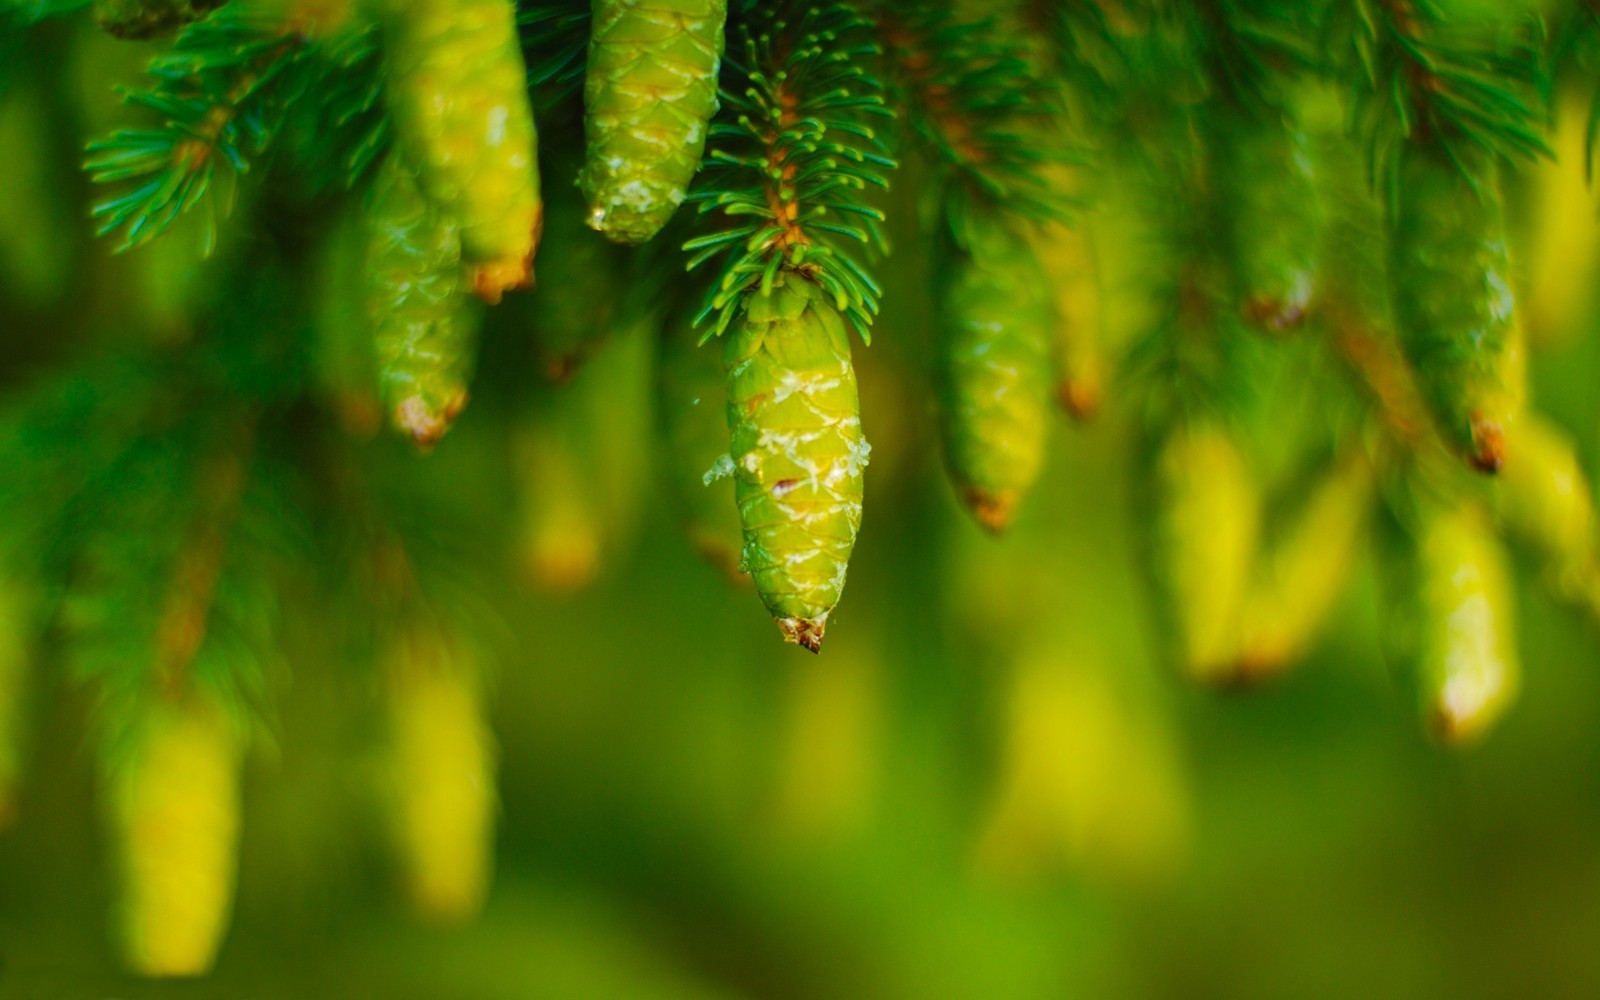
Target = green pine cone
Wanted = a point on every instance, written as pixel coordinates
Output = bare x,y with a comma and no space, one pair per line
424,331
1078,343
145,19
694,431
649,95
458,92
1459,641
797,451
1451,278
440,771
1268,198
171,794
1204,527
994,369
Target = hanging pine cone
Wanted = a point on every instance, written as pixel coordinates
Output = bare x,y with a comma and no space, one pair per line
172,800
1456,313
424,331
1205,523
798,455
993,368
442,774
1455,636
1269,199
458,94
649,94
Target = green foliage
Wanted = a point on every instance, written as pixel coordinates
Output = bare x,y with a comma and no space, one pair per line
977,108
143,19
555,44
1460,74
1251,50
30,11
223,94
177,489
335,141
789,154
151,613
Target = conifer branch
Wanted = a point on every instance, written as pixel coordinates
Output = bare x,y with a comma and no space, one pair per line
213,91
209,620
340,136
1083,36
181,624
789,156
974,103
1459,83
1248,49
59,437
225,91
1381,373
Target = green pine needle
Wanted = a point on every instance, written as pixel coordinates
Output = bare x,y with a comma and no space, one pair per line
555,45
224,93
339,136
1250,48
172,588
975,103
788,161
1455,81
215,92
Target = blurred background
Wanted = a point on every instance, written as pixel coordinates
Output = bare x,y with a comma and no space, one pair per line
988,785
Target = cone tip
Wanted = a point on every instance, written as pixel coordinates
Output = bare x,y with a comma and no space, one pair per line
1277,313
1254,668
425,424
491,281
1456,730
803,632
1080,398
993,510
1488,444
